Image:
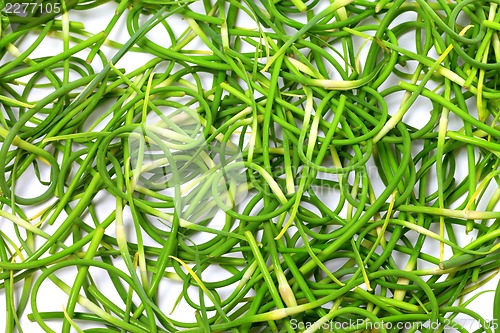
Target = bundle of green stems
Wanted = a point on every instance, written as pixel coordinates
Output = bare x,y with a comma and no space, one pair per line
262,169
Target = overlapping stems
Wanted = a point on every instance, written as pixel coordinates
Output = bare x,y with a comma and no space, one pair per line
344,196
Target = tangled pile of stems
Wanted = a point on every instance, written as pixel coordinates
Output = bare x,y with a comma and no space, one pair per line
301,91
